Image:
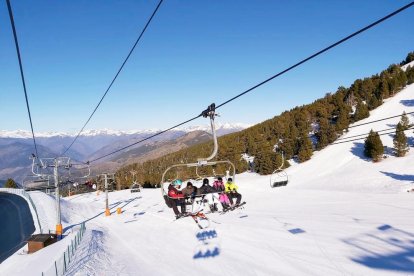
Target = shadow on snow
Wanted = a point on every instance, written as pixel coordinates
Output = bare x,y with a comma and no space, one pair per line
358,150
407,102
403,177
385,248
113,205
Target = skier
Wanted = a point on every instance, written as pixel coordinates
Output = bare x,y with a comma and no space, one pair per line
223,198
189,191
218,184
231,191
206,191
176,197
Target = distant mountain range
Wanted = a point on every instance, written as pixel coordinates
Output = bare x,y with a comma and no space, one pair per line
17,146
221,128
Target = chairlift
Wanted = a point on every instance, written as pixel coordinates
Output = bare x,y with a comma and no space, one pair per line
83,170
135,187
37,183
61,162
279,177
201,162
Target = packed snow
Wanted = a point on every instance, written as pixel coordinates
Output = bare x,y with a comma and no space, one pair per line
340,214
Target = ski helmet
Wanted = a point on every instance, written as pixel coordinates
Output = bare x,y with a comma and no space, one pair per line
177,182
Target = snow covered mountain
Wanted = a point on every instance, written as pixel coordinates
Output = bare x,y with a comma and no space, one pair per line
91,144
221,128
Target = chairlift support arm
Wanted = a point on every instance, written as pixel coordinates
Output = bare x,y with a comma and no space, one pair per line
211,113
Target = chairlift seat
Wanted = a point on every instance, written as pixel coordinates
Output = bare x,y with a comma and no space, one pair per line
279,178
279,183
135,188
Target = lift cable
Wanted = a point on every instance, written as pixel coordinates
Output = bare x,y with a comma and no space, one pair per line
273,77
346,140
380,134
140,141
21,72
116,76
379,120
318,53
364,134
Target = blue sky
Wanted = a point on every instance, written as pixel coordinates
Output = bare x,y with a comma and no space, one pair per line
194,53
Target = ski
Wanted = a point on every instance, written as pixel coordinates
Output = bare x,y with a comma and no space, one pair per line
197,222
188,214
233,208
201,220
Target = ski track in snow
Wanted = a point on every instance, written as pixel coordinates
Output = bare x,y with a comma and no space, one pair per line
93,255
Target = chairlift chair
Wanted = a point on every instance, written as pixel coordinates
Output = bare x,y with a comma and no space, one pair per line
279,177
135,187
37,183
201,162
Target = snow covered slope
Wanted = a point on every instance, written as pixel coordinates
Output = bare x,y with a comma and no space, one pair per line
339,215
344,167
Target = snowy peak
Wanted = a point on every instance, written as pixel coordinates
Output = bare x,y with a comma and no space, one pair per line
222,128
15,134
219,127
24,134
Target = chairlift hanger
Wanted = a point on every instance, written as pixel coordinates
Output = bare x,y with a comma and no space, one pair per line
43,163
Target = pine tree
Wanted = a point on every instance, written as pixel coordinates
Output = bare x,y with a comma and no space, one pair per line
400,141
373,147
410,74
383,91
326,133
405,122
264,162
10,183
409,58
373,103
342,122
305,148
361,111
